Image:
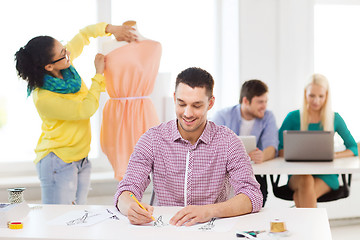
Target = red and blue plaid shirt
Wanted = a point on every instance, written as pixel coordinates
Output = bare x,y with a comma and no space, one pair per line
186,174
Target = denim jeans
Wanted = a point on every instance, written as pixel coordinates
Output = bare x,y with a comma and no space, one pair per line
63,183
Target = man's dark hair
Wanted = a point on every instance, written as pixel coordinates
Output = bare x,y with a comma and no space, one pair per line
196,77
252,88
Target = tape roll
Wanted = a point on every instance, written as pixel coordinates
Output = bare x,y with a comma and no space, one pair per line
277,226
15,225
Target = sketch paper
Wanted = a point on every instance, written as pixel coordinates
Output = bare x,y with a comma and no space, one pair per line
85,218
88,218
216,224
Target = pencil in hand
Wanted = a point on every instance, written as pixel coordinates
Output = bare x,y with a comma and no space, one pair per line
133,196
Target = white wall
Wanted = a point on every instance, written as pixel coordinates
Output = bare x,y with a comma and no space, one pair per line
276,39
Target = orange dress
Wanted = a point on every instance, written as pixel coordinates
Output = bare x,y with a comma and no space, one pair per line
130,76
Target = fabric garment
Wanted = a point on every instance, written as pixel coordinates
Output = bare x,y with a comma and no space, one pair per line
66,117
130,75
186,174
292,122
63,183
264,129
71,82
246,127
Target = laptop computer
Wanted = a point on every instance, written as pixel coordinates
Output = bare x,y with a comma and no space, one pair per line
303,146
249,143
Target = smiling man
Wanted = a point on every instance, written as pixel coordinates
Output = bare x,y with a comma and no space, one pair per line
250,117
193,162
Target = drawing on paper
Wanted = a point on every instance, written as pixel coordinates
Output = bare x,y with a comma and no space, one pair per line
79,220
90,216
210,225
159,222
113,216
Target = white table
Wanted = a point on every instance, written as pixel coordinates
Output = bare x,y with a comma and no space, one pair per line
301,224
280,166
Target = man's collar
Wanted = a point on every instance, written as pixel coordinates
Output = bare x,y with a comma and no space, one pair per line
175,134
206,134
204,137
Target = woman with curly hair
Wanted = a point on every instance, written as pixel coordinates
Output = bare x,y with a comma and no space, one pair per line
65,106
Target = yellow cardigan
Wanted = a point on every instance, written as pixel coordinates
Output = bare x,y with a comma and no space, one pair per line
66,117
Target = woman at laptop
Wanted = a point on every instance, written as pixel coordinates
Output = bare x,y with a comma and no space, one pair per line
316,115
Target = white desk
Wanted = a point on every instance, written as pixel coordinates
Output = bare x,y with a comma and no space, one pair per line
280,166
301,224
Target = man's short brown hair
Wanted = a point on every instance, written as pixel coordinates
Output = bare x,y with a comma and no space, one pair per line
252,88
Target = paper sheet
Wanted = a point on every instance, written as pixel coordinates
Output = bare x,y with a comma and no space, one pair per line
88,218
215,224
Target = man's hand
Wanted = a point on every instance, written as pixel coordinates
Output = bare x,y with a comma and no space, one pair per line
137,215
192,214
257,156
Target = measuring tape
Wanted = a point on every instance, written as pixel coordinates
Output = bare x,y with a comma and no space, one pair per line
15,225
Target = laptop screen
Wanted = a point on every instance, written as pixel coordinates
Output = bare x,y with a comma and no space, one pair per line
249,143
308,145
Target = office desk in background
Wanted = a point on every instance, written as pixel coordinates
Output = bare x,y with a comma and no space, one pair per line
280,166
301,223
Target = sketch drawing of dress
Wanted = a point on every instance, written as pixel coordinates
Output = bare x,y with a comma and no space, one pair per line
130,76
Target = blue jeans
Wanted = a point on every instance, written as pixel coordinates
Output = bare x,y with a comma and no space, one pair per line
63,183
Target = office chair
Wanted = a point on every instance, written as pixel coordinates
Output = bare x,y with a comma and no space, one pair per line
285,193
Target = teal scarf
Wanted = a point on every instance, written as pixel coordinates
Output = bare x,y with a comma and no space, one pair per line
70,84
